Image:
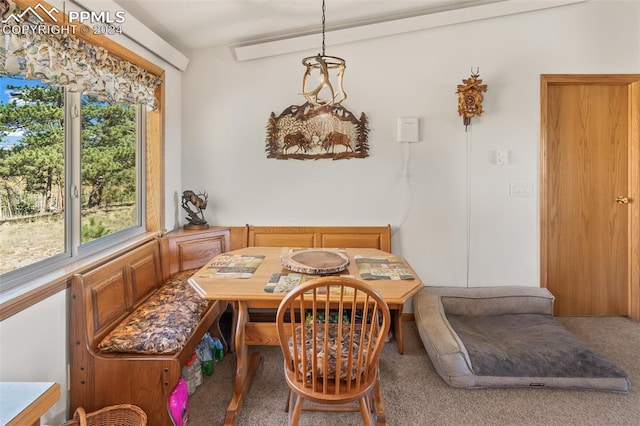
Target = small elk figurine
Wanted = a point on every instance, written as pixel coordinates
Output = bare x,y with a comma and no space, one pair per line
194,204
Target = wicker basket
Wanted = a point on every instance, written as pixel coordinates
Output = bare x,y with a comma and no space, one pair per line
121,415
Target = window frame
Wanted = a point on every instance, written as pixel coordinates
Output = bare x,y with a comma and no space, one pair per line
74,250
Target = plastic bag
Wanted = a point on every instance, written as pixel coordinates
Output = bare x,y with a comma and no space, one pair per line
178,404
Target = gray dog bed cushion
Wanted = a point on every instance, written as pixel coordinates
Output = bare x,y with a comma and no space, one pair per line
506,336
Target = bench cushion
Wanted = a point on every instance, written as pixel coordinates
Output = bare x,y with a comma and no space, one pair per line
163,323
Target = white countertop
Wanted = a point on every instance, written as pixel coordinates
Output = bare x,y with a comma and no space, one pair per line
16,397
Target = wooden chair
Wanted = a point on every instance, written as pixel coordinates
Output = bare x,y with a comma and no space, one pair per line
319,369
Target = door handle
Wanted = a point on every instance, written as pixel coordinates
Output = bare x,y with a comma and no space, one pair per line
622,200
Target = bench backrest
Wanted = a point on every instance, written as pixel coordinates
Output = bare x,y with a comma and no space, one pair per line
378,237
110,292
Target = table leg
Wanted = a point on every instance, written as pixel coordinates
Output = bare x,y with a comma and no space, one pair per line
246,365
234,325
396,319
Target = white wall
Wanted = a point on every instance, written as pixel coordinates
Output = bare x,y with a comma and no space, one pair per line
218,135
33,343
172,147
226,105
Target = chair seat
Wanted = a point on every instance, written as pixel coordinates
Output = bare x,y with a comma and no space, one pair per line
348,351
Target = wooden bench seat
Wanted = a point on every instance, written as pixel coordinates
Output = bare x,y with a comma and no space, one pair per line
101,299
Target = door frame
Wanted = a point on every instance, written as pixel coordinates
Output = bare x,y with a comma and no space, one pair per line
632,81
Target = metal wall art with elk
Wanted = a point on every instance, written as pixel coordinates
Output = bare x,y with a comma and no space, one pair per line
317,131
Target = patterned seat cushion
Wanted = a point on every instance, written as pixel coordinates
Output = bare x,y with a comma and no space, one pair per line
163,323
332,349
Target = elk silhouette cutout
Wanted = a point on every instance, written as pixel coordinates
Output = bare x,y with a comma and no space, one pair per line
334,139
298,140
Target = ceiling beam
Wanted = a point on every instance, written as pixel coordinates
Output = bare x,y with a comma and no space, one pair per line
263,49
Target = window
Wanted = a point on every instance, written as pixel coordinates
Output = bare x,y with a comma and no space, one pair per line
71,176
108,171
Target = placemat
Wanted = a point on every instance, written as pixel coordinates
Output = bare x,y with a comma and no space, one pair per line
284,282
382,268
232,266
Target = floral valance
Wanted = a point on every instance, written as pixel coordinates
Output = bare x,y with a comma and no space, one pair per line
65,60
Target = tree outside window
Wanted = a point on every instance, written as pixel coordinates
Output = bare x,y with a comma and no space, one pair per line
34,163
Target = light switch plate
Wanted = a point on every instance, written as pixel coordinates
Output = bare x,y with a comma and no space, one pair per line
521,189
502,157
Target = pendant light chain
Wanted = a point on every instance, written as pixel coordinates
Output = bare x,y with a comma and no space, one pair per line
323,10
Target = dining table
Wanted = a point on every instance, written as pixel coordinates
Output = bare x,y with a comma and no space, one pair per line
255,278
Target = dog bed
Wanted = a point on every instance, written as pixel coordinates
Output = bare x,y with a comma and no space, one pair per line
507,336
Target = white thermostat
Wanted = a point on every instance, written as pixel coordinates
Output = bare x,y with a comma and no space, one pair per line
408,129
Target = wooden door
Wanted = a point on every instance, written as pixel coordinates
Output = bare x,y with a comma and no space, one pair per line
589,193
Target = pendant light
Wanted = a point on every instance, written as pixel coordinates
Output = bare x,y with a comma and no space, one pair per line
329,71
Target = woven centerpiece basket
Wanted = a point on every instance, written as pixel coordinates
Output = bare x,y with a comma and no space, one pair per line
121,415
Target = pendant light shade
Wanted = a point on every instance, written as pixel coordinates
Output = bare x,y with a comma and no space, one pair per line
322,80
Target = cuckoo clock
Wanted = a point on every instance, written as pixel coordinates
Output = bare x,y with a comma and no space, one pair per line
470,97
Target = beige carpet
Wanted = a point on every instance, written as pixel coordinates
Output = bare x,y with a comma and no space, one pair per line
414,394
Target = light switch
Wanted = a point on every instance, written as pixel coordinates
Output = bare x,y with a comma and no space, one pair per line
521,189
502,157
